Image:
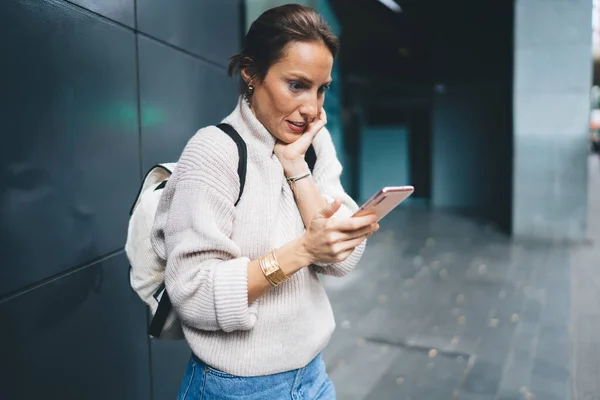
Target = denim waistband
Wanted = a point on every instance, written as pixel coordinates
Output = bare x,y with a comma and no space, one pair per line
315,361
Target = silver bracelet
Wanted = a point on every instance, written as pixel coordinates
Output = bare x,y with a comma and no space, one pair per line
292,182
296,178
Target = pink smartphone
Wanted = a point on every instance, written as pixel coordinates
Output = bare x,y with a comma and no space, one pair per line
385,201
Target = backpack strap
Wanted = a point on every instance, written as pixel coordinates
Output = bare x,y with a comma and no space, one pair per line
243,153
162,312
311,158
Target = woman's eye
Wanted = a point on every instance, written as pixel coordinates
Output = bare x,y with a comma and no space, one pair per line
324,88
296,86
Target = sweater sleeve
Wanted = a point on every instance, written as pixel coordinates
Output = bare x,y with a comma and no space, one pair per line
206,276
327,173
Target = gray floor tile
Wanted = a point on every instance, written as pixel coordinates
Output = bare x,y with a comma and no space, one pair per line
359,373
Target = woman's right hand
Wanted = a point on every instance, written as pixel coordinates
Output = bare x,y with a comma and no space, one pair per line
330,240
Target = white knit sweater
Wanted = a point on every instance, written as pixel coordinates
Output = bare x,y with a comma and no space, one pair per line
208,244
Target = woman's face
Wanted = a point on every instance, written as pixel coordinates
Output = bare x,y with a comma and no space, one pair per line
292,93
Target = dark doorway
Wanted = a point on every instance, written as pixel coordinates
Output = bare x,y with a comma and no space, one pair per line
419,140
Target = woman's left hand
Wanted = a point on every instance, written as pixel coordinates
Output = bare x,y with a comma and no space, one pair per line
291,155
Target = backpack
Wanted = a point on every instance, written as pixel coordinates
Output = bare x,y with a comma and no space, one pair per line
146,274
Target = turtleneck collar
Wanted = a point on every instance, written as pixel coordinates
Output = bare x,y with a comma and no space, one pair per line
251,129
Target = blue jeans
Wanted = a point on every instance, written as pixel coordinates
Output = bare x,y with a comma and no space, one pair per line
202,382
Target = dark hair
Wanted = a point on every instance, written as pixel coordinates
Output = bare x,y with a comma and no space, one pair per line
268,36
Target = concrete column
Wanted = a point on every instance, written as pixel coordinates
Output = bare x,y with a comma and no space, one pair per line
552,79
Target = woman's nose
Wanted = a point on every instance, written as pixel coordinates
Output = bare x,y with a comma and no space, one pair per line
310,109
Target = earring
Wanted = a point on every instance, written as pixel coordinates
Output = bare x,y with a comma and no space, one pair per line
248,94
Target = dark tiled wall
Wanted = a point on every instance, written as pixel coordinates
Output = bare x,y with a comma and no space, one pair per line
88,103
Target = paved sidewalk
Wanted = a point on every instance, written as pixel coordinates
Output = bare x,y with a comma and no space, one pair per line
446,307
585,310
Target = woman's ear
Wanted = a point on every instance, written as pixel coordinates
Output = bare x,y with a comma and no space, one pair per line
249,77
248,71
246,76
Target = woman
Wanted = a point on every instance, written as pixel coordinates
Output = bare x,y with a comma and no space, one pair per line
244,279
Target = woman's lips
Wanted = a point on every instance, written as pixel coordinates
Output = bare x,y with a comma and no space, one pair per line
296,128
